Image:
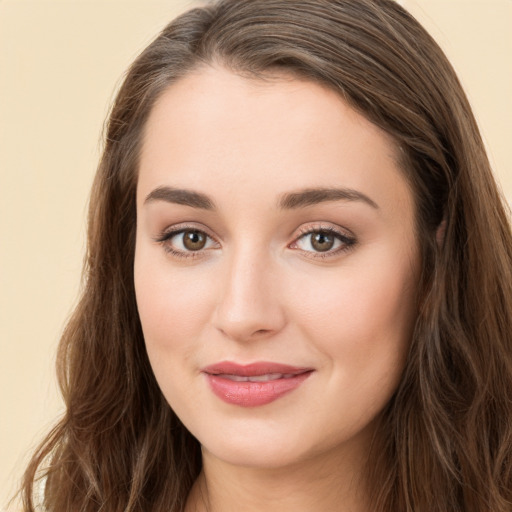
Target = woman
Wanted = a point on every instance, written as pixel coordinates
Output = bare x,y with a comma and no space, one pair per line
299,290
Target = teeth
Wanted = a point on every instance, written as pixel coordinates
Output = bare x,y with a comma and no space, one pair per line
236,378
257,378
264,378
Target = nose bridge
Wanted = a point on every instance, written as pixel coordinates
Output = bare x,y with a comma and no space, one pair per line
248,305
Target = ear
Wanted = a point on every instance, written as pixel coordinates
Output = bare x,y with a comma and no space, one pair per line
440,232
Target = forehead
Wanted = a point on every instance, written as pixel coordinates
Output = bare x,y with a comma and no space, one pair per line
214,129
279,100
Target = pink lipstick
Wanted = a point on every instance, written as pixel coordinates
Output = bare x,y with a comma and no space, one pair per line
253,384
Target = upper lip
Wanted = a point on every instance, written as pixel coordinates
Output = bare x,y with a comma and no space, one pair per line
253,369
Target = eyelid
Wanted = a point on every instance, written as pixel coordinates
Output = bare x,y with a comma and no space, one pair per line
347,239
168,233
174,229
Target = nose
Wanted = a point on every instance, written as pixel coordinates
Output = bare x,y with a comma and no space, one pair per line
249,305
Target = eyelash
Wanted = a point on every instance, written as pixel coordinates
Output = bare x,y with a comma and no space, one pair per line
347,242
166,236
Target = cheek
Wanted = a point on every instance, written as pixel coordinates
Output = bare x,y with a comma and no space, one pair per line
362,316
172,309
172,306
361,323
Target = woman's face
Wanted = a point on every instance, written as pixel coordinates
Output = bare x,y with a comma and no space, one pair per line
276,266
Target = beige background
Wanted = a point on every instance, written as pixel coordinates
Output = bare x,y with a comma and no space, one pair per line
60,62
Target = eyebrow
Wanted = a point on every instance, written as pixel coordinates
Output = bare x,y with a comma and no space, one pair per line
312,196
180,196
288,201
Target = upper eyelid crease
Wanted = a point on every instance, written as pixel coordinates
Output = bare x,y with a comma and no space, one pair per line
344,237
173,231
348,240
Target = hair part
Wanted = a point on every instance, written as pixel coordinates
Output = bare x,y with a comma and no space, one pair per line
446,436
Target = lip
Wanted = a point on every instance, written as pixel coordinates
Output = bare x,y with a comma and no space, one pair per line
253,384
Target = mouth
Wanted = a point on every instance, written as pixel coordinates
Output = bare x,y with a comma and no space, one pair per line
254,384
256,378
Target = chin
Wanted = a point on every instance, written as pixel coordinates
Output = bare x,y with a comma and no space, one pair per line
260,445
260,456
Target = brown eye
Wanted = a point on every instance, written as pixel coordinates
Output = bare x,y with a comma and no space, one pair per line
322,241
187,242
194,240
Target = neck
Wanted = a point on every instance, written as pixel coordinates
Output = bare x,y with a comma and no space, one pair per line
331,483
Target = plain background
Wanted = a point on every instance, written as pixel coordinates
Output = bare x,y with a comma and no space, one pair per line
60,63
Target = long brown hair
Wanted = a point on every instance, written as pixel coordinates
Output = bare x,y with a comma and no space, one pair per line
445,439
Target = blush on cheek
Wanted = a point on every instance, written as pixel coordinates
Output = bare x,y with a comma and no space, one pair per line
374,312
172,310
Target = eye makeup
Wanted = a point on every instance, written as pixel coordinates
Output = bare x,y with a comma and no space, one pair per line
322,242
315,241
186,241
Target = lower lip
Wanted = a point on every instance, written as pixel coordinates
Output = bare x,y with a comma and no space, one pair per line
252,394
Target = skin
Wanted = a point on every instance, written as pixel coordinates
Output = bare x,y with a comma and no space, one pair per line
260,291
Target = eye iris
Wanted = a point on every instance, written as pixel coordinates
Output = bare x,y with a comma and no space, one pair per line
322,241
194,240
